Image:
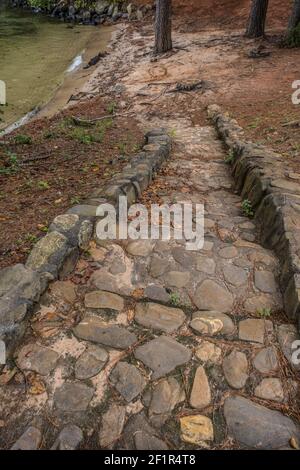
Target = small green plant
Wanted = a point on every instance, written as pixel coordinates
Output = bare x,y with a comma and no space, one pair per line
122,146
229,157
247,208
75,200
172,133
111,108
174,298
43,185
29,237
23,139
293,38
264,312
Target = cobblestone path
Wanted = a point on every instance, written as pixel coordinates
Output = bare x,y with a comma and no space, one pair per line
150,346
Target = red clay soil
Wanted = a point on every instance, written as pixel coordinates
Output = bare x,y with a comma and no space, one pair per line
61,166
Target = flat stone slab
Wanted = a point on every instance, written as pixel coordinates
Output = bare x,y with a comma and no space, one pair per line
112,426
210,295
128,380
252,330
205,265
211,323
37,358
159,317
64,291
197,429
209,352
235,275
228,252
165,396
235,367
200,395
162,355
257,427
91,362
156,293
104,300
73,396
265,281
69,438
30,440
93,329
140,248
270,389
177,279
266,360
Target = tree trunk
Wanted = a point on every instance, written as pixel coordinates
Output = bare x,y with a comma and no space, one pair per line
257,19
163,26
295,16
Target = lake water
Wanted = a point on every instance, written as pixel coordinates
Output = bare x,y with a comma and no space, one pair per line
36,54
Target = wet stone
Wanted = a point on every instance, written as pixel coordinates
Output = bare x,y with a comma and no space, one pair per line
73,396
112,426
265,281
165,396
69,438
197,429
246,423
128,380
104,300
212,323
159,317
266,360
235,368
37,358
208,352
210,295
91,362
162,355
252,330
93,329
30,440
235,275
200,395
270,389
177,279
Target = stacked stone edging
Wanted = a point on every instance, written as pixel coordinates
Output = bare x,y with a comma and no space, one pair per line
55,255
261,177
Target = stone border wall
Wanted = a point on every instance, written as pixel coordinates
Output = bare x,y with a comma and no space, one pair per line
55,255
262,177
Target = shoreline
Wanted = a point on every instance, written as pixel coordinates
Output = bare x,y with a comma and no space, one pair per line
73,82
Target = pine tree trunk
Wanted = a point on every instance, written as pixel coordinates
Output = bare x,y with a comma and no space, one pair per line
295,16
257,19
163,26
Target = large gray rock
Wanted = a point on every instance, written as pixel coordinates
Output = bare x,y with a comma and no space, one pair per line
73,396
30,440
69,438
49,253
37,358
266,360
93,329
112,426
91,362
235,367
165,396
159,317
257,427
162,355
128,380
210,295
